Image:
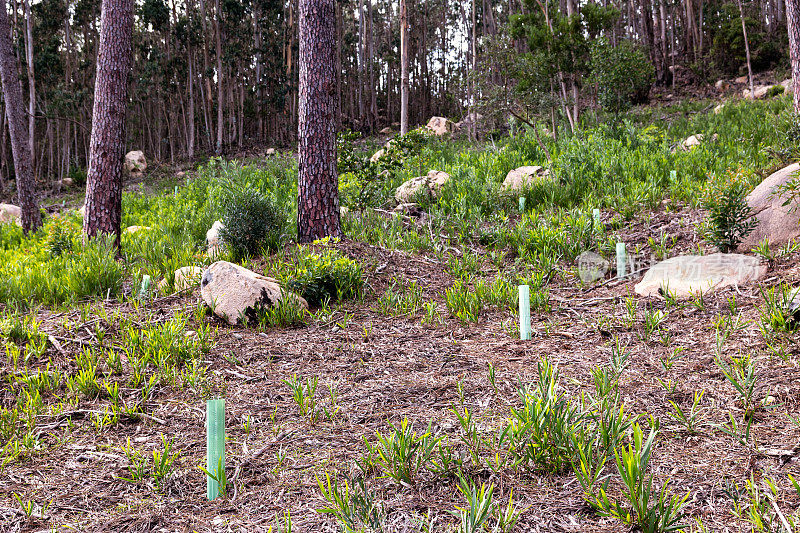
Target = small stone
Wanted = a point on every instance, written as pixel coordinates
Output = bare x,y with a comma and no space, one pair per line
213,240
591,267
377,155
130,230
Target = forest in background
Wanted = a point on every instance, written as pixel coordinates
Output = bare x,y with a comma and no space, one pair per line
219,76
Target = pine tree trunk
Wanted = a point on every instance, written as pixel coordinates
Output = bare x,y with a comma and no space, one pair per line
15,112
403,68
793,24
318,182
107,144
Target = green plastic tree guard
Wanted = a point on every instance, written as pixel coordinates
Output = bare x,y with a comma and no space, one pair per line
215,445
524,313
145,288
622,259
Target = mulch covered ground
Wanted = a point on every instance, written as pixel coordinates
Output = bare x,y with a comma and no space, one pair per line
385,369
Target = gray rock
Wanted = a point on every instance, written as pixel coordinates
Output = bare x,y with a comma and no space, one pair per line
524,178
430,185
235,293
777,222
440,126
135,163
10,213
591,267
686,275
213,240
185,278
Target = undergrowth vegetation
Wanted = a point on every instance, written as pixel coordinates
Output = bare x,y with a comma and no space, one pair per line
89,351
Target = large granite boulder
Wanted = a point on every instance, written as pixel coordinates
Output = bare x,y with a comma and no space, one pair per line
777,222
758,93
10,213
440,126
135,163
686,275
430,185
524,178
235,293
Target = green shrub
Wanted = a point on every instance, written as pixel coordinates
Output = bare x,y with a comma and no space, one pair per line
95,272
729,218
61,236
623,74
253,222
775,90
324,276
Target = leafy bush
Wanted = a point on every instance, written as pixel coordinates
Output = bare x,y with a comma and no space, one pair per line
324,276
252,220
61,236
362,180
729,218
623,74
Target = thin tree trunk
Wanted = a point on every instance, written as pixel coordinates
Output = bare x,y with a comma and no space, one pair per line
747,51
403,68
793,25
191,126
31,78
15,112
318,182
220,100
107,145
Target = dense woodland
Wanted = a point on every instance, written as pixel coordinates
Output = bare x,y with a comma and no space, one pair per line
217,76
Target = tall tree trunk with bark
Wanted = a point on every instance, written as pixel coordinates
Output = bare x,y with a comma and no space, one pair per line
15,112
107,144
31,77
318,181
403,68
793,24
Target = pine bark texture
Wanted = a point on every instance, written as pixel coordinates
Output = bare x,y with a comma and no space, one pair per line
17,128
107,144
318,181
793,23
